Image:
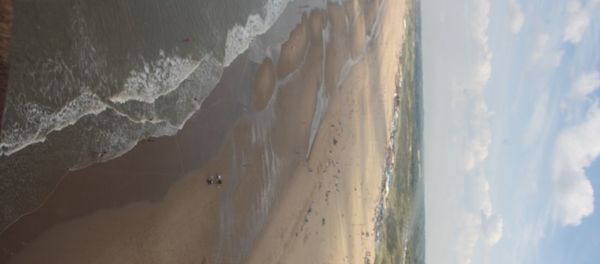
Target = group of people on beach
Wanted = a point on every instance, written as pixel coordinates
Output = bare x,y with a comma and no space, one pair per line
214,179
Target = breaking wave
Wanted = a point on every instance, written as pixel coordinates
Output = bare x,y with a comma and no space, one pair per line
155,99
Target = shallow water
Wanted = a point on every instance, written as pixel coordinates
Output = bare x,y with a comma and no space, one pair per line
90,79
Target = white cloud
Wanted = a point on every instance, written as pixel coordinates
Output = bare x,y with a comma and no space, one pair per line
467,240
477,150
517,17
538,121
545,51
578,20
484,71
474,223
480,35
479,200
555,58
576,148
585,84
480,135
480,225
541,41
493,229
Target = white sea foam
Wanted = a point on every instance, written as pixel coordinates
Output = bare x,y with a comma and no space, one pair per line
239,37
155,79
205,75
166,74
41,122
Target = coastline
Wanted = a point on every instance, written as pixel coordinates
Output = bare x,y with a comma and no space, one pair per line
93,66
144,174
327,213
152,205
401,234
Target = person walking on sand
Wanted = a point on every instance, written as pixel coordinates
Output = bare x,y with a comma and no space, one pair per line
210,180
219,179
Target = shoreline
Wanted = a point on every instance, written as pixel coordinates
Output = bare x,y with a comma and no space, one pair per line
152,205
95,184
328,211
27,187
257,153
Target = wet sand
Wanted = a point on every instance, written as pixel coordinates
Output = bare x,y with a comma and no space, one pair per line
327,213
144,174
153,204
265,84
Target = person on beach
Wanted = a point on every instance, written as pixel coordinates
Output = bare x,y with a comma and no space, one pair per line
219,179
210,180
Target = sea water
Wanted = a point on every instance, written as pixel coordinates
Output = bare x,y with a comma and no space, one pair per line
91,79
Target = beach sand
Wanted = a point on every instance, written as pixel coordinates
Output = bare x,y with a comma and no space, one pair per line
153,204
264,84
327,213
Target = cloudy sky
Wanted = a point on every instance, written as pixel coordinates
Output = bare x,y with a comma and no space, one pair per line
512,136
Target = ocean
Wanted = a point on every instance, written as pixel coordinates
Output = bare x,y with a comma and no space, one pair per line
86,87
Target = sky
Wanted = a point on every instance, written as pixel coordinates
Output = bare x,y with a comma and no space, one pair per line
512,130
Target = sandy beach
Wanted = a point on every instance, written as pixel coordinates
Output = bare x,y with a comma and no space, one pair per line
299,140
327,213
